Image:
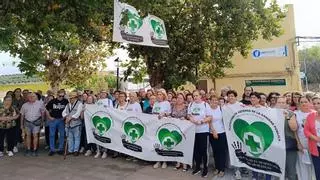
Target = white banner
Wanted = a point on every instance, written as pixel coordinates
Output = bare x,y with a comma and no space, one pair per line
129,27
140,135
256,138
270,52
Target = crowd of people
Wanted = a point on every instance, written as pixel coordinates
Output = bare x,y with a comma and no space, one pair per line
23,114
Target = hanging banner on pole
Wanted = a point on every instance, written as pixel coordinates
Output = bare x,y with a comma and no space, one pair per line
256,139
140,135
130,27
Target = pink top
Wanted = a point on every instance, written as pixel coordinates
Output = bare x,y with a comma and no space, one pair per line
310,129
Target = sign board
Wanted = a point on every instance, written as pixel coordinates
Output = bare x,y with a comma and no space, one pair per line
270,52
266,82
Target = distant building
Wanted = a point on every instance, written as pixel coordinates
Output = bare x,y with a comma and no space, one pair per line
270,65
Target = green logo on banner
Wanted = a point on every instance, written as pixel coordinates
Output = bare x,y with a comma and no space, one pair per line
131,20
257,137
102,124
158,28
169,139
133,131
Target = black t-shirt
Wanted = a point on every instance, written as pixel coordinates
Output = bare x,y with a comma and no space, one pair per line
56,107
245,102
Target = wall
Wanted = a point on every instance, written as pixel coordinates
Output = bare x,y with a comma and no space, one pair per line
268,67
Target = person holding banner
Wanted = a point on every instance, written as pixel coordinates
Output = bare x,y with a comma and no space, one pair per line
312,132
304,164
199,114
179,110
255,103
133,105
122,103
162,108
106,103
218,138
290,128
91,146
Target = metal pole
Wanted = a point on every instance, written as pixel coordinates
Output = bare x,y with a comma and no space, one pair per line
118,76
305,69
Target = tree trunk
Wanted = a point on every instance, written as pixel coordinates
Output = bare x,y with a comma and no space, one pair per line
156,75
55,86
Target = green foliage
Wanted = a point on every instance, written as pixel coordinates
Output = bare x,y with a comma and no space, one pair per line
310,54
98,82
137,68
59,40
203,35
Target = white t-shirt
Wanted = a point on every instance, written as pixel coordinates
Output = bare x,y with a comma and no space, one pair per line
107,103
318,130
135,107
301,119
123,107
161,107
199,111
217,122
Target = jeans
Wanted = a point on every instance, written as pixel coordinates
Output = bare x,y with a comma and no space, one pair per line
53,126
256,175
291,160
10,134
316,164
74,136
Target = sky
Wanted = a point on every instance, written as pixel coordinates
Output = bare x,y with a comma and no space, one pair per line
306,12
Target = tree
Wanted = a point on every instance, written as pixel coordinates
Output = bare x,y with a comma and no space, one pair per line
98,82
312,61
62,40
203,36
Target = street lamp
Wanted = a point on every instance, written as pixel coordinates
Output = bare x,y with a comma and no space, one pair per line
117,61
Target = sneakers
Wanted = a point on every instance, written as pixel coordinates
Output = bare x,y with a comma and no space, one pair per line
35,153
88,153
196,171
156,165
185,168
237,175
129,158
104,155
97,155
51,153
216,172
15,149
164,165
1,154
10,153
60,152
27,152
204,173
221,174
178,165
82,150
76,153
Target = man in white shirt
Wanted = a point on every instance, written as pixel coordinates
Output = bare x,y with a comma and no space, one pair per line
73,123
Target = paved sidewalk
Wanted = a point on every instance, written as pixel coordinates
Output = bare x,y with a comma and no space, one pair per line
44,167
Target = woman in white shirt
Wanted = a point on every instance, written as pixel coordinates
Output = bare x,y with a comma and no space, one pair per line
217,138
199,114
303,165
162,108
122,103
133,105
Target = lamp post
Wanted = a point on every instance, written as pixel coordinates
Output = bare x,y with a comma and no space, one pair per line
117,61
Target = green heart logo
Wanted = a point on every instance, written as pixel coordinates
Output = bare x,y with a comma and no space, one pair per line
101,124
134,131
257,136
169,139
158,28
131,20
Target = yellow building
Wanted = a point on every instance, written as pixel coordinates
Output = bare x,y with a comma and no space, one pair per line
269,66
